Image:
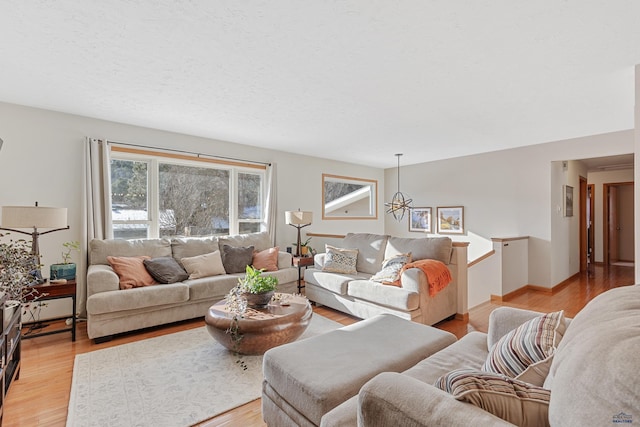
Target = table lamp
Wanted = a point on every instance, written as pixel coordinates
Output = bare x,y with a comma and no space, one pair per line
298,219
34,217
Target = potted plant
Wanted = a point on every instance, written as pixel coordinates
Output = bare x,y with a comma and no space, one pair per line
256,288
17,267
305,249
67,269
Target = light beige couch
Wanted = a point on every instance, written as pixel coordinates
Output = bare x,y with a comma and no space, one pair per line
593,377
357,295
111,310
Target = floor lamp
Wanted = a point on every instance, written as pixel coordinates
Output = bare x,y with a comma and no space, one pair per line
298,219
34,217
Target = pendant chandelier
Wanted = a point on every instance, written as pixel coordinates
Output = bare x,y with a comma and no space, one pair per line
400,203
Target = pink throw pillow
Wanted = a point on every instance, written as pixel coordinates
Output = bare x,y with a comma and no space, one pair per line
131,271
266,260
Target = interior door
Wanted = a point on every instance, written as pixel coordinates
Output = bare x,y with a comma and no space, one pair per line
584,232
614,227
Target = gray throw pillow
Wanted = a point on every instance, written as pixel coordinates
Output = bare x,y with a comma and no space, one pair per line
235,260
165,270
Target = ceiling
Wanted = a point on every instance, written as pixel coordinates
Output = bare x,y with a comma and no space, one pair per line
355,80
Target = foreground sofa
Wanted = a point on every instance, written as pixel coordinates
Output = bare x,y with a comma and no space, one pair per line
589,377
355,293
111,310
593,376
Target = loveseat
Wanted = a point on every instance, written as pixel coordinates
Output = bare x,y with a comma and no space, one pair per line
357,294
112,310
592,378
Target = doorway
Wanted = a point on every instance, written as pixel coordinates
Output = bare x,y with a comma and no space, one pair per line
618,229
587,225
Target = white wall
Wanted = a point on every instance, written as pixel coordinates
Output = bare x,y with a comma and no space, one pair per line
510,193
42,160
637,170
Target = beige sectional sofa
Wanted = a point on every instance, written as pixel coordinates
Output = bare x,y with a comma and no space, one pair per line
357,295
588,379
111,310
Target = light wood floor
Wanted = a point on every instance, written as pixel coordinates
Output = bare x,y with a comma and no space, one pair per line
41,395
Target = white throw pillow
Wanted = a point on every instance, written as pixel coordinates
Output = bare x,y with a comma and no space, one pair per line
339,260
204,265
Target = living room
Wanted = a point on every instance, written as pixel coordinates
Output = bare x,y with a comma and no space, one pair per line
513,190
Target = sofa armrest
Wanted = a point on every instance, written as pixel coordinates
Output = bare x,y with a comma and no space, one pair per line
284,260
318,260
414,280
101,278
503,320
392,399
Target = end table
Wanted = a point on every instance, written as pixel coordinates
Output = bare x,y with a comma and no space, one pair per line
50,291
301,261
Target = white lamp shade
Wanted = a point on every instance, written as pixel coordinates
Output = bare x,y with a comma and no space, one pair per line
298,217
33,216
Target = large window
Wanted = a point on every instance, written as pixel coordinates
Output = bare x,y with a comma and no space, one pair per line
162,197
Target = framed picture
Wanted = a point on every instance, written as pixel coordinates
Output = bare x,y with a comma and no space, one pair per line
450,219
568,200
420,219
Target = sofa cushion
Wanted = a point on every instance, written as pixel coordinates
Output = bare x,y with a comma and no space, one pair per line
131,271
212,287
100,249
517,402
165,270
113,302
260,241
266,260
340,260
236,259
389,296
370,250
526,352
594,374
187,247
438,248
204,265
334,282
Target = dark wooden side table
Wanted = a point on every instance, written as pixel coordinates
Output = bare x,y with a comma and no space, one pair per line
301,261
51,291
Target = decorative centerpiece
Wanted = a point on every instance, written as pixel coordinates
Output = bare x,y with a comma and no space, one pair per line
257,289
17,267
67,269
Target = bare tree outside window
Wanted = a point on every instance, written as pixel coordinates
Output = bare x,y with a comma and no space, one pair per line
193,201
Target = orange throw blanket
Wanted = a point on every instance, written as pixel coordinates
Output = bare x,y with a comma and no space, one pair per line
437,274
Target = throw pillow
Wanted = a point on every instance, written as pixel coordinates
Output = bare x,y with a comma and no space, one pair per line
235,260
165,270
526,352
391,268
266,260
338,260
131,271
204,265
512,400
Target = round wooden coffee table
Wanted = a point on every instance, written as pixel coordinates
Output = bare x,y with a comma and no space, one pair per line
281,322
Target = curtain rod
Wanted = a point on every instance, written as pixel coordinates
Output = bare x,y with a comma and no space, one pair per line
189,152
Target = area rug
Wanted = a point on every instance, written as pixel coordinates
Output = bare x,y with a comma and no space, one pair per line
173,380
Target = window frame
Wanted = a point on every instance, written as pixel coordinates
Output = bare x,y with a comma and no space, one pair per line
154,159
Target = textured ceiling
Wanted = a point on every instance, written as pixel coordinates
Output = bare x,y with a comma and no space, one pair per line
352,80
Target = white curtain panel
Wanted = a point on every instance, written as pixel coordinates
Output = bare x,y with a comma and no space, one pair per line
97,205
270,208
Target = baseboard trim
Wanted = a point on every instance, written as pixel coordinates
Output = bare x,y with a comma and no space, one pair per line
534,288
464,317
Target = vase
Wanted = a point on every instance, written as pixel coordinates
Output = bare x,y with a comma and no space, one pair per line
10,307
62,271
259,300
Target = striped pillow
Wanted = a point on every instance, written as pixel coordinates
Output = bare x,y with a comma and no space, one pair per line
514,401
526,352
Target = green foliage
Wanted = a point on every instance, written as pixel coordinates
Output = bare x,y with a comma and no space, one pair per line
302,244
254,283
68,247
